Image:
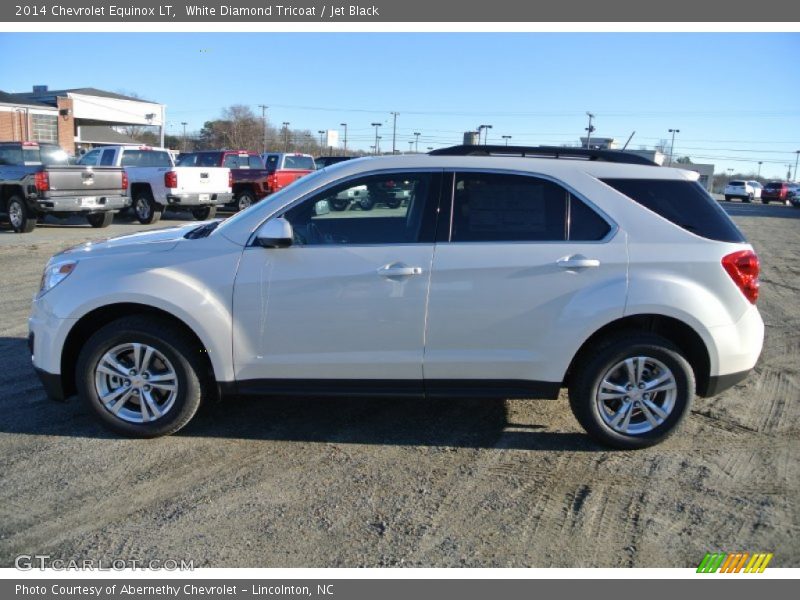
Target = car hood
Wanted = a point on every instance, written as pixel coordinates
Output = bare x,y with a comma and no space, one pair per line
157,240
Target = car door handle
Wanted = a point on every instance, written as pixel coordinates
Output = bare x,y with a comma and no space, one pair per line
577,262
398,270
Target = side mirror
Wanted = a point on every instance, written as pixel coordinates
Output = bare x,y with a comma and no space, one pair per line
275,233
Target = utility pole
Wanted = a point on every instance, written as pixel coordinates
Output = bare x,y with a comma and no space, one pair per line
506,138
264,108
321,133
759,168
286,136
410,146
184,135
796,158
394,130
376,125
345,137
416,143
589,130
672,144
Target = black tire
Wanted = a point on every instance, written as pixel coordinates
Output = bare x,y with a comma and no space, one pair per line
146,209
749,199
186,359
205,213
21,218
366,203
339,205
595,363
393,203
245,200
727,198
764,201
100,220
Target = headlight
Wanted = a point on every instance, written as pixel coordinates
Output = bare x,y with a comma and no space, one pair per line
55,273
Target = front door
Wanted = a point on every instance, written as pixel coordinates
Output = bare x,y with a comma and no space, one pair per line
347,300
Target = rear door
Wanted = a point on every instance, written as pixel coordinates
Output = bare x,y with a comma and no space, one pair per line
524,270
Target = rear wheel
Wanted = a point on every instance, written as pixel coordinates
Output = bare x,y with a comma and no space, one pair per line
245,200
749,199
339,205
633,391
146,209
141,377
22,218
393,203
727,198
764,201
205,213
100,220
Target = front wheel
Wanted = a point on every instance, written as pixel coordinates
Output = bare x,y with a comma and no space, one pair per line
142,377
633,391
100,220
205,213
22,218
727,198
749,199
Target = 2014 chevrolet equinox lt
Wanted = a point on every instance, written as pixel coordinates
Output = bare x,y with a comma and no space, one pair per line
506,272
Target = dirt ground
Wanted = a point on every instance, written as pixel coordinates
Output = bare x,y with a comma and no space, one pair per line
309,483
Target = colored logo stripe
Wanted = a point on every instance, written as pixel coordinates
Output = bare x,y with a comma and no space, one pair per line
734,563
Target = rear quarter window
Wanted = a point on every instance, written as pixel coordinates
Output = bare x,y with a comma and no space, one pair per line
684,203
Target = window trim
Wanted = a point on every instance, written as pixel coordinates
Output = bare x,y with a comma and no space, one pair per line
279,212
613,226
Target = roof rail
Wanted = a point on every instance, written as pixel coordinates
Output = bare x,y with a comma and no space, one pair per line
615,156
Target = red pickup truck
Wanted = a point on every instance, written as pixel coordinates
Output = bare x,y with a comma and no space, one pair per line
248,174
284,168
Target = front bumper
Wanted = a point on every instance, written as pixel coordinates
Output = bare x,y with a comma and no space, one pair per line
193,200
82,204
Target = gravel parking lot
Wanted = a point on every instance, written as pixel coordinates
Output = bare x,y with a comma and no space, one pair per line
291,483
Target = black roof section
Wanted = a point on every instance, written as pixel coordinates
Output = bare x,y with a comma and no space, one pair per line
87,91
614,156
6,98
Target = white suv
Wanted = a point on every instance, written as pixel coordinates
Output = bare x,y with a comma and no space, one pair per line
746,191
511,273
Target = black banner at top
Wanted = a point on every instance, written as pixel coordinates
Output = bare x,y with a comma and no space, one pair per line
385,11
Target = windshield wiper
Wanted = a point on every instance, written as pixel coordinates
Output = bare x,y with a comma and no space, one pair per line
202,231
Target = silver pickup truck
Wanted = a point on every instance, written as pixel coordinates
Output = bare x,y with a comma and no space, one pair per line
37,179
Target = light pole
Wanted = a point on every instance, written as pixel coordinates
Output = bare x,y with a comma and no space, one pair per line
410,146
264,108
376,125
788,172
589,130
672,144
759,168
321,133
796,158
184,134
345,137
286,136
416,143
506,138
485,128
378,144
394,129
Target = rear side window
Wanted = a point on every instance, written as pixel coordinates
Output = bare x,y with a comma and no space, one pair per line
272,162
684,203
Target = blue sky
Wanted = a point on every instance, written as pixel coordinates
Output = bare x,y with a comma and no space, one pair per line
734,97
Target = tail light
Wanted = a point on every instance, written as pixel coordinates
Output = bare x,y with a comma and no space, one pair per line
230,178
42,181
171,179
124,180
743,267
272,180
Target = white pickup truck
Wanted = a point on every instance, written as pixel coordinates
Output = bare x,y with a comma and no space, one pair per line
156,184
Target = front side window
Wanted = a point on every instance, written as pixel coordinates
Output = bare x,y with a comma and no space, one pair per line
380,209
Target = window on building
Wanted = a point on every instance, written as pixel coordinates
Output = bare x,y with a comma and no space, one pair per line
45,128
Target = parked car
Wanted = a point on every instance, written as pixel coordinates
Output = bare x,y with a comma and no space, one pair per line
285,168
775,191
390,192
324,161
757,188
500,277
793,194
248,174
156,184
743,190
36,179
